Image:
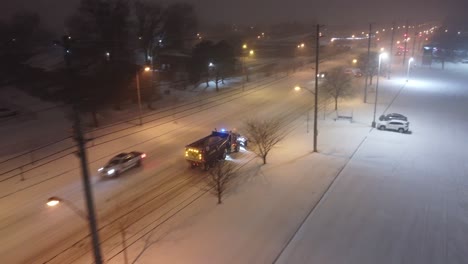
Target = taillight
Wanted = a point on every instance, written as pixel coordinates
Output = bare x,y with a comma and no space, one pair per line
143,155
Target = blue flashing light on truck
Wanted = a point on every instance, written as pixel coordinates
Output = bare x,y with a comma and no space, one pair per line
208,150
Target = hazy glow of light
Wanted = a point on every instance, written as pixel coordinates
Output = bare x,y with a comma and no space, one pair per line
53,201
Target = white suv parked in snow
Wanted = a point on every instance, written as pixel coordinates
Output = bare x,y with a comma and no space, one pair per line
397,125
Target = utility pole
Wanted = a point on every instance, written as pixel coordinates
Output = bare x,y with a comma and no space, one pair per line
87,187
78,135
406,43
317,51
368,62
414,43
390,60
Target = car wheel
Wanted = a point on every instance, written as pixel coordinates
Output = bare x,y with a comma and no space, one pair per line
382,127
401,130
223,157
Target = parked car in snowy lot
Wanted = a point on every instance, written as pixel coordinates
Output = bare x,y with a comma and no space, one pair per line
393,116
121,163
396,125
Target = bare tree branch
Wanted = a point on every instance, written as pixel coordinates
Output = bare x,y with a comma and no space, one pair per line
337,84
220,178
264,134
149,16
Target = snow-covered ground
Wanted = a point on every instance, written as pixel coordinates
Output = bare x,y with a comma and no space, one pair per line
401,198
409,186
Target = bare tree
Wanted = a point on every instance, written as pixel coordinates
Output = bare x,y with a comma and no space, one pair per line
337,84
370,69
149,16
220,178
180,25
264,134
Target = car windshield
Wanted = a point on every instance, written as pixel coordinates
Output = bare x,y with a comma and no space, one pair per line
113,162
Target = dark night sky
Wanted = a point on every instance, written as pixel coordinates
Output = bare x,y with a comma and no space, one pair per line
336,12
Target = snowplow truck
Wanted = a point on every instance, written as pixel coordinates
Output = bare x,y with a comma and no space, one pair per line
208,150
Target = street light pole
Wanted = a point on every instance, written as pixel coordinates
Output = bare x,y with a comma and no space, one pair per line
406,43
390,60
139,97
137,74
317,49
368,62
414,44
244,80
53,201
377,87
409,65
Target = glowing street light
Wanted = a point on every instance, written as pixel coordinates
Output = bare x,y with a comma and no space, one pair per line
54,201
251,52
381,56
297,88
354,61
244,46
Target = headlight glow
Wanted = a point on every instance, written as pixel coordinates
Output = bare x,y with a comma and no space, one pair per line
110,172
